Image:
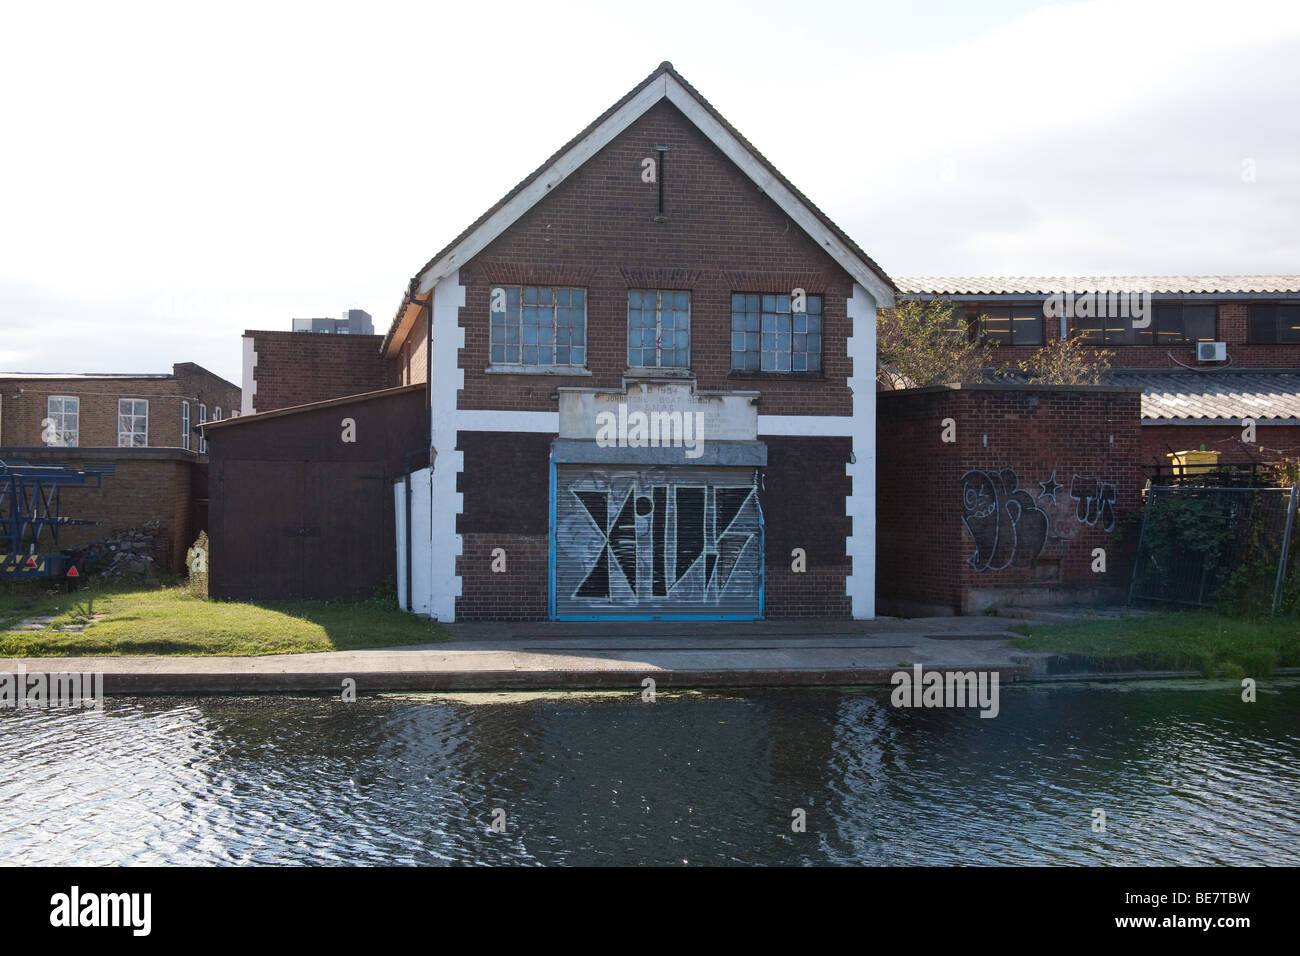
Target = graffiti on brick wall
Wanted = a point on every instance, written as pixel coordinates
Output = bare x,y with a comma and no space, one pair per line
1096,502
1008,527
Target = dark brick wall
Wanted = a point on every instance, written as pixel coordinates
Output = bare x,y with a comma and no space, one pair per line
924,550
803,494
596,230
298,368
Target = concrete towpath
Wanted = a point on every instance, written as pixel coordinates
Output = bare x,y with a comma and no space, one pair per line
558,656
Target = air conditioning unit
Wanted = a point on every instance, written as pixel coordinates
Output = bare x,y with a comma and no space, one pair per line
1211,351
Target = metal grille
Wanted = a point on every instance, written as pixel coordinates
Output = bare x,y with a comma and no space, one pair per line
657,543
1205,546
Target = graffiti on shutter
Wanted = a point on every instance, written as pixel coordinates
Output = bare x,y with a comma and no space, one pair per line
657,542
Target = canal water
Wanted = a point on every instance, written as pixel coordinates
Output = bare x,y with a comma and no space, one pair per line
1184,771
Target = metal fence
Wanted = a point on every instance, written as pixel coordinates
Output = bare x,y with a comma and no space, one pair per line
1226,475
1196,541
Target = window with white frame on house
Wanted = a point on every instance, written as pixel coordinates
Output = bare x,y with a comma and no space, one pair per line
1274,323
203,419
185,425
658,329
132,423
1012,324
776,333
538,326
217,417
63,415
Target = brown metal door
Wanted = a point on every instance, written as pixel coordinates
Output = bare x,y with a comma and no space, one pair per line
257,544
348,544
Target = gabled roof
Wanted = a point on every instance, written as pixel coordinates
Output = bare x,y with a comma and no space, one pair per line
663,83
1047,285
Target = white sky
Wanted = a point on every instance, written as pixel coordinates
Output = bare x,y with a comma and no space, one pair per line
173,174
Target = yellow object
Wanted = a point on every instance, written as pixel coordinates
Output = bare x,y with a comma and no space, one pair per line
1194,462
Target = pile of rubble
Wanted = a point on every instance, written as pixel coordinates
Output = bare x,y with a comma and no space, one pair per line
125,555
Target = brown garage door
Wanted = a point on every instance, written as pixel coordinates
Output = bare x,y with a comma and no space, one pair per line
300,529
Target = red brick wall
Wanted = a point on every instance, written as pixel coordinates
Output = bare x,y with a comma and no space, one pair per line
804,489
1231,328
596,230
297,368
925,551
23,404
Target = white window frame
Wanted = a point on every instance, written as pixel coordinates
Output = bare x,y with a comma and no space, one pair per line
216,416
68,437
203,420
134,415
185,425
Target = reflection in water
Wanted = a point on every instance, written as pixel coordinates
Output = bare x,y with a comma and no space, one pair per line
1185,772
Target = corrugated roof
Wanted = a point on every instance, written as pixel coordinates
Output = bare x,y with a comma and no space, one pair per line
1225,396
1046,285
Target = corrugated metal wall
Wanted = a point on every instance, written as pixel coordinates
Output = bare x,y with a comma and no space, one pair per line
657,542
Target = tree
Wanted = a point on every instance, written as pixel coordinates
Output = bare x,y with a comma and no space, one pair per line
1067,361
922,343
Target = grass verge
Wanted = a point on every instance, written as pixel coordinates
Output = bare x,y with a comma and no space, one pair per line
170,620
1212,644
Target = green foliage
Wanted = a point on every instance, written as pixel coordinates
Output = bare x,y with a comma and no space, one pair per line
196,562
1067,362
1238,560
923,343
1178,526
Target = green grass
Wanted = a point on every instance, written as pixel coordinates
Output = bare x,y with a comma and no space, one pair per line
170,620
1212,644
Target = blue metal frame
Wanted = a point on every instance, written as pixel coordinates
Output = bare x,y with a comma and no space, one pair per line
30,507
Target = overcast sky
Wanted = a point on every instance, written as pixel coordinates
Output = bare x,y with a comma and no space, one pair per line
173,174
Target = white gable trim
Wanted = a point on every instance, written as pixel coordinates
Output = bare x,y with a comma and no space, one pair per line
804,217
663,87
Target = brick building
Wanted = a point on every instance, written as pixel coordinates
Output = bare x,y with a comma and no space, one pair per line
1192,396
283,369
655,271
141,431
113,411
650,388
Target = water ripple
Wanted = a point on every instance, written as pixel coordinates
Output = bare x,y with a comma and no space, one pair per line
1184,771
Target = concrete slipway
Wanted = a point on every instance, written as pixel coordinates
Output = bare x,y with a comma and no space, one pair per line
549,656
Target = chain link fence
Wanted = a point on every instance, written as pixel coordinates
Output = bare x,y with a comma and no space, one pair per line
1218,547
